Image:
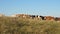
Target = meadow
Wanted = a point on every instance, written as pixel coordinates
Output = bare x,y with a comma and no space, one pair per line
10,25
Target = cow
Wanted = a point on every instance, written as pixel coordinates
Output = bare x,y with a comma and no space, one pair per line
39,17
32,16
49,18
57,18
42,17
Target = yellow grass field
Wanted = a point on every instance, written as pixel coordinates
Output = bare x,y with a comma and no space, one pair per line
10,25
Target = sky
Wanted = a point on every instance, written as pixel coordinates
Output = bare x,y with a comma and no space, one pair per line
34,7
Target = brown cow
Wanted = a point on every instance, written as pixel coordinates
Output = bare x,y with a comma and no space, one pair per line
21,15
49,18
57,19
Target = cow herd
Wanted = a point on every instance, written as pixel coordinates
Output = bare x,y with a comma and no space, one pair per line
38,17
48,18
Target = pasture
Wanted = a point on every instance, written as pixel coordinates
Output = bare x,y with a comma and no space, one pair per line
10,25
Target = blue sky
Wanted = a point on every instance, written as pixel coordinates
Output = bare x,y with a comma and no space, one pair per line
37,7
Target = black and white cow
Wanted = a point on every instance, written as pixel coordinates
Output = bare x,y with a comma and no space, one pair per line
42,17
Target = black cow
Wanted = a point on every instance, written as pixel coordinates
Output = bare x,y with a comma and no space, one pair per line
33,16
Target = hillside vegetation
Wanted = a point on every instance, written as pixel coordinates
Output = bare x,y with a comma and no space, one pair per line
10,25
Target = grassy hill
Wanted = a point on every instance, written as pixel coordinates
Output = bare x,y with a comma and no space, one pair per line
10,25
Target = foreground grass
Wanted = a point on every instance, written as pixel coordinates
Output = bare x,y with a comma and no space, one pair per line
10,25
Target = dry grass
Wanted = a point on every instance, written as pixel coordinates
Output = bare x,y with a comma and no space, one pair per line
10,25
